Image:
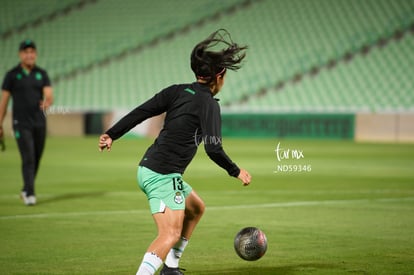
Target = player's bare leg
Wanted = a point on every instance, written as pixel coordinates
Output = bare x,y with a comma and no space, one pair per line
169,224
194,209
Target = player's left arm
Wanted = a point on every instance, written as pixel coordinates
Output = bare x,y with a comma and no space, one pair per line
47,98
244,176
211,128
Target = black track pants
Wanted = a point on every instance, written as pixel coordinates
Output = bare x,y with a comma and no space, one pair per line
31,142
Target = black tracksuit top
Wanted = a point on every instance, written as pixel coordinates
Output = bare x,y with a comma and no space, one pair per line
27,91
192,117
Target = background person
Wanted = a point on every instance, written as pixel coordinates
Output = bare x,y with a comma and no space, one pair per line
29,87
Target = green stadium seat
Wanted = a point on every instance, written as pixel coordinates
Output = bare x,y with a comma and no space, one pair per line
285,38
17,13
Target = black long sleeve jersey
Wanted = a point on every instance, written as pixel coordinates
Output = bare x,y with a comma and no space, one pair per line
192,117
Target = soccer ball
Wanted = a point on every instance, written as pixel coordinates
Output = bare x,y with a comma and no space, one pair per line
250,243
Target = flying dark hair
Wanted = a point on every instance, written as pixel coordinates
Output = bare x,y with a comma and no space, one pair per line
207,63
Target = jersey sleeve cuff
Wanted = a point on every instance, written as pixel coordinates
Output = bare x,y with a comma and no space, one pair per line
234,172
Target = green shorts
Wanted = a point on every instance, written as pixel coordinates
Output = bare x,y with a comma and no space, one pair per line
163,191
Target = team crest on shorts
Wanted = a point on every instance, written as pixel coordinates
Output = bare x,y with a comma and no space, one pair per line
178,198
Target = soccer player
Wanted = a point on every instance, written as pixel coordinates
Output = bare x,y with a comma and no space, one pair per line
192,117
32,94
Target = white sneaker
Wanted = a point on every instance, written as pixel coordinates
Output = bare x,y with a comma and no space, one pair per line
24,198
31,200
28,200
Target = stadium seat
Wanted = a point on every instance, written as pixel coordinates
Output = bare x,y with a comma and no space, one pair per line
290,42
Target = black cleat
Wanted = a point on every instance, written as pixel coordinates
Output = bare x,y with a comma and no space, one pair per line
171,270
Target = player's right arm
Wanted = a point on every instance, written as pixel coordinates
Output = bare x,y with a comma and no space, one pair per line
105,141
4,101
157,105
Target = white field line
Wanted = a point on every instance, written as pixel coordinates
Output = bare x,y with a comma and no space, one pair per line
211,208
282,192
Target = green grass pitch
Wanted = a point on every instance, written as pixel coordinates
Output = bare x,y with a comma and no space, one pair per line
349,211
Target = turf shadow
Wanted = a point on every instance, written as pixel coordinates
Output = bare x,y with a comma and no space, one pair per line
70,196
276,270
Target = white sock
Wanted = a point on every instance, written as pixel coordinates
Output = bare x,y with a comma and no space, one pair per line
175,253
150,264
